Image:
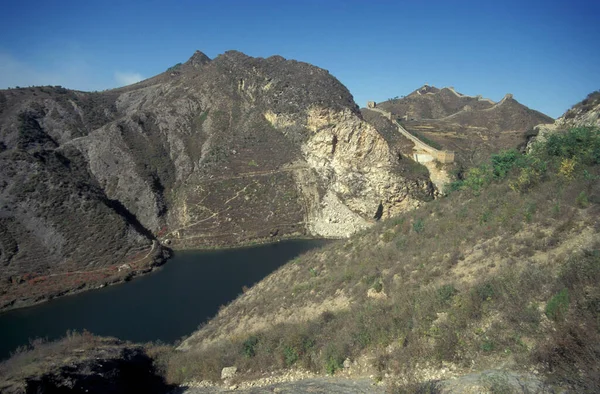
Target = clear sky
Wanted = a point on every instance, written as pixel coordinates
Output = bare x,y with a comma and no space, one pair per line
547,53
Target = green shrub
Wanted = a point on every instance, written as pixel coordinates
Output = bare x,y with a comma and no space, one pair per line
529,211
249,346
446,292
290,355
582,143
558,305
418,226
377,286
333,358
454,186
485,291
487,345
504,161
478,178
582,200
333,363
485,217
175,67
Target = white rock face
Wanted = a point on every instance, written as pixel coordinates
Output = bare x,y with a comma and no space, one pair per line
334,219
354,166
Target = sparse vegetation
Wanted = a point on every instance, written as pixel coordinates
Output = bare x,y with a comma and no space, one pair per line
557,307
473,278
504,270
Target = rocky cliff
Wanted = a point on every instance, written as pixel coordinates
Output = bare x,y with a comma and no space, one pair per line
209,153
585,113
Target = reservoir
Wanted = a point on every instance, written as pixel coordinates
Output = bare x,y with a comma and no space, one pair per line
164,305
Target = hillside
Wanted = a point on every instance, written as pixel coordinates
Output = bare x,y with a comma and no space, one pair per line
491,289
210,153
471,126
502,275
586,113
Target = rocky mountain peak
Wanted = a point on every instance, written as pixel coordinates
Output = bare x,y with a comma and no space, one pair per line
198,59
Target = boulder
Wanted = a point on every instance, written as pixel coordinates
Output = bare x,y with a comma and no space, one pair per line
228,372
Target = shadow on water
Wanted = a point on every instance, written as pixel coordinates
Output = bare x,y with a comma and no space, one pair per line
164,305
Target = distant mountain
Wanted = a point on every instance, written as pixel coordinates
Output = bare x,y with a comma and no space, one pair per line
209,153
472,126
429,102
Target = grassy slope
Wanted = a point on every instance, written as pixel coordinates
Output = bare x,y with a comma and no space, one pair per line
503,273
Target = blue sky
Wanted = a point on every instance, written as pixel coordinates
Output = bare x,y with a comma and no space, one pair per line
544,52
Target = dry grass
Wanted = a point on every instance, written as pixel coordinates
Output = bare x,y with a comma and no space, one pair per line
463,281
40,356
489,276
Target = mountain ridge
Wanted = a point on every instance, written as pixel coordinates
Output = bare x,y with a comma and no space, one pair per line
471,126
210,153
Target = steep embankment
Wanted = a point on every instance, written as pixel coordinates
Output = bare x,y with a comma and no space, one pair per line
210,153
501,275
471,126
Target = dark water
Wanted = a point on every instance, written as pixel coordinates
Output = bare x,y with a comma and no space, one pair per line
164,305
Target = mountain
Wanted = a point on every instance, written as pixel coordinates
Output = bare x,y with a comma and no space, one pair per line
471,126
493,288
209,153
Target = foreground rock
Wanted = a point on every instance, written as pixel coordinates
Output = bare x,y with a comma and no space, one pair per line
82,363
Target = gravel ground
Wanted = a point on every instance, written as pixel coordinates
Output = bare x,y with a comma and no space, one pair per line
313,385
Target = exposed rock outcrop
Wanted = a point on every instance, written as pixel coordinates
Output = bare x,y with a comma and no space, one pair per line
586,113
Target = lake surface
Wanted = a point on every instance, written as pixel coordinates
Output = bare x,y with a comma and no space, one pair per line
164,305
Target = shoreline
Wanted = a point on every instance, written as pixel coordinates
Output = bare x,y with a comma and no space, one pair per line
170,248
160,257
